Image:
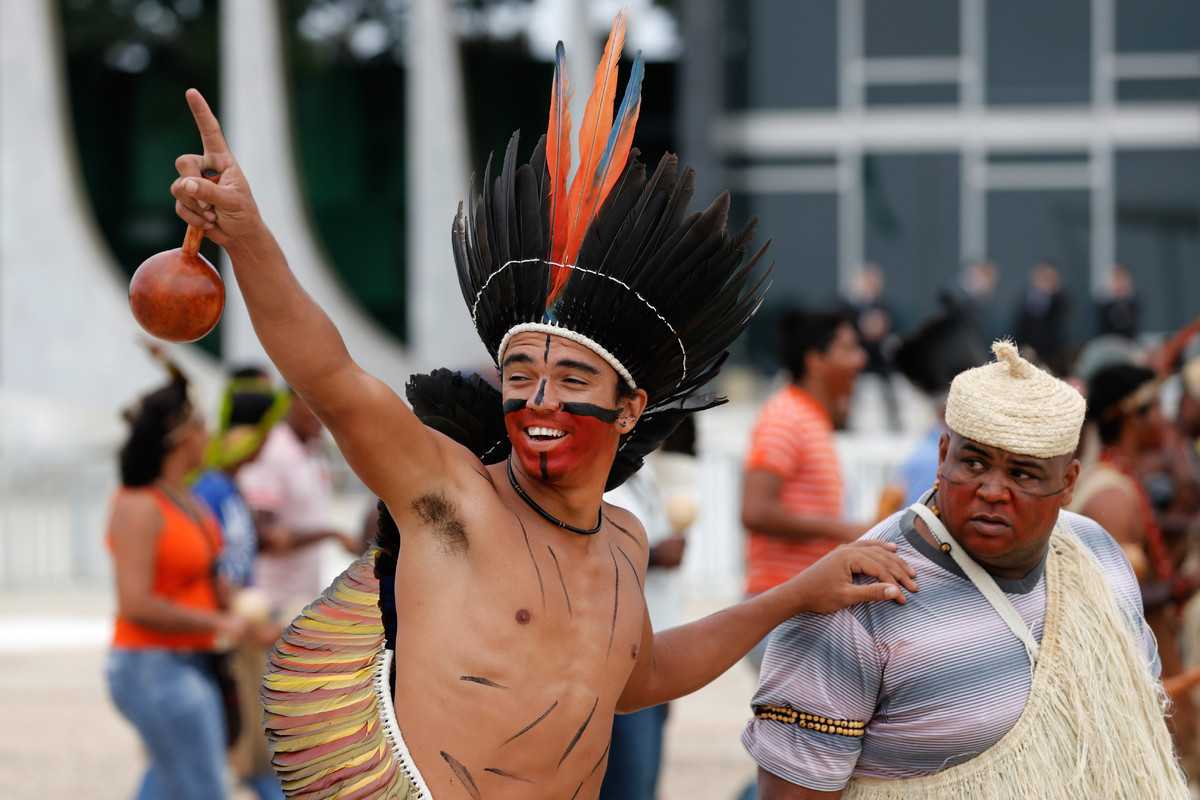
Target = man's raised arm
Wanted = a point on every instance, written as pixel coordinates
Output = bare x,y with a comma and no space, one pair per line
301,340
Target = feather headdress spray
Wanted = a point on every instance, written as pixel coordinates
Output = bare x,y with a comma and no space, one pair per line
610,261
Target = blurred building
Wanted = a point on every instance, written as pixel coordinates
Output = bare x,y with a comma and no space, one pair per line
922,134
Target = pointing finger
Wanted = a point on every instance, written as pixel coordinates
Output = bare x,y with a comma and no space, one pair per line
216,151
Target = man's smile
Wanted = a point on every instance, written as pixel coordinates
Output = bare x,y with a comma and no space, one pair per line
541,434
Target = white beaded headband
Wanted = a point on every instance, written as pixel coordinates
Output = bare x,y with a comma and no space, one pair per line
575,336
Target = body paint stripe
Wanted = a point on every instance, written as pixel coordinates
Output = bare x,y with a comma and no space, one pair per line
541,393
482,681
622,530
579,733
530,726
462,773
504,774
560,580
536,568
616,599
636,577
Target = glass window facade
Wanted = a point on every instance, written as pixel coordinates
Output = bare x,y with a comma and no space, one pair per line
1014,130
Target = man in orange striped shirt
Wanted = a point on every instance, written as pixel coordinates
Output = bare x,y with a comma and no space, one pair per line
792,493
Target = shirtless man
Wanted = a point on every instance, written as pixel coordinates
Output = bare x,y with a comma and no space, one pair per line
518,637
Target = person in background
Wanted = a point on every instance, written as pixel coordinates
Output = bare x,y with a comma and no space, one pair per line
1123,405
289,490
249,409
1041,318
165,545
793,497
1117,313
975,291
875,324
660,495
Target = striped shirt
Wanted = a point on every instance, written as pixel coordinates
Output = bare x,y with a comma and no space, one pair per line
793,439
937,680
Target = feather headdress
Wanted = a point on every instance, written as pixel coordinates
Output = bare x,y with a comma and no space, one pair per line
611,261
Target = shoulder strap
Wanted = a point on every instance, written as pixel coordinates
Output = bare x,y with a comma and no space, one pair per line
982,580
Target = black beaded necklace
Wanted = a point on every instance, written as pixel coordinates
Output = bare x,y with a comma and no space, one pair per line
546,514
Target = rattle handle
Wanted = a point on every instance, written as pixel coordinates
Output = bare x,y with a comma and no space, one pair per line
194,235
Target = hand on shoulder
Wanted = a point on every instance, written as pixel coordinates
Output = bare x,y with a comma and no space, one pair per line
829,584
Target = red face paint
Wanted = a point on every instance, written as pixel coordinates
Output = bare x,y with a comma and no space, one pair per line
554,459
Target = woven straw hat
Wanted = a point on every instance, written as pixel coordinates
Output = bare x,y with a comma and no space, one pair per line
1014,405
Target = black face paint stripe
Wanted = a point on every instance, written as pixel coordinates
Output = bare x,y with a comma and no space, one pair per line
543,466
616,600
558,568
579,733
481,681
601,413
541,393
633,538
536,568
505,774
629,561
462,773
531,725
512,406
546,355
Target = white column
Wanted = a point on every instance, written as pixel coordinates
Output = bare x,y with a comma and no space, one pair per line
851,91
440,330
1103,201
66,333
255,116
972,234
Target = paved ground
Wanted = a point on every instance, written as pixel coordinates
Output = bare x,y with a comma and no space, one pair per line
62,738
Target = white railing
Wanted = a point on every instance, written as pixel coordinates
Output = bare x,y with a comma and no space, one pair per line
53,514
54,506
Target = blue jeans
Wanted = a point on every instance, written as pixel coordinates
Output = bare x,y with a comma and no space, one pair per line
634,756
173,701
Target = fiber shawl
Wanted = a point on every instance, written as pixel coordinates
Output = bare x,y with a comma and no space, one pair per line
1093,725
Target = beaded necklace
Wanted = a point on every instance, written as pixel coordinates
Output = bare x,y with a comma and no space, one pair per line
546,514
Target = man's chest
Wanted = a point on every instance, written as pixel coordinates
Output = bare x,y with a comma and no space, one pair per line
954,677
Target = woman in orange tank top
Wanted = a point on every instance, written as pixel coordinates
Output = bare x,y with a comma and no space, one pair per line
164,545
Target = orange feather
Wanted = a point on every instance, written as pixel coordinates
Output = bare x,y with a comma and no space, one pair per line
594,129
